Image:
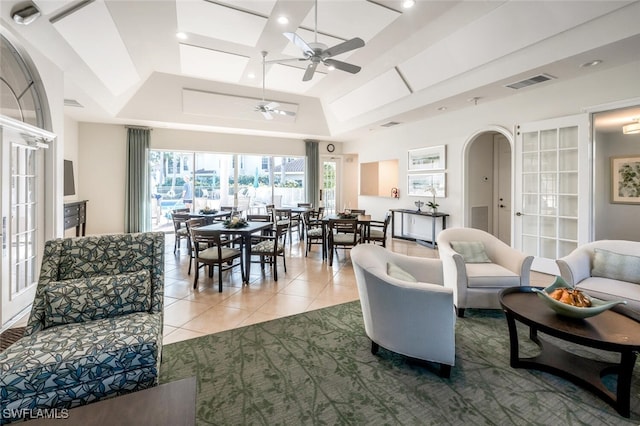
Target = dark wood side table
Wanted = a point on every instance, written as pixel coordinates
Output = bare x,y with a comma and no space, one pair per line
402,235
608,331
75,216
170,404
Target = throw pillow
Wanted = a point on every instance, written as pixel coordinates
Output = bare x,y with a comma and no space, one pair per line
623,267
398,273
86,299
471,251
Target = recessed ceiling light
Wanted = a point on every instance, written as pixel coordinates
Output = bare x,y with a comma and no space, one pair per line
408,4
442,108
182,36
251,75
283,20
331,68
591,63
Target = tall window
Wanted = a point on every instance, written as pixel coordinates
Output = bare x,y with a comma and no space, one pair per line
258,181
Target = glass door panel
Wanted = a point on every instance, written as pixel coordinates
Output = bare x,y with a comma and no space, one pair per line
548,183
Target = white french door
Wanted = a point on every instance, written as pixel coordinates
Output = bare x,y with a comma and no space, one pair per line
21,208
553,189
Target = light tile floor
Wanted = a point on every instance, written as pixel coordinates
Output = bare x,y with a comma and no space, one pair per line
309,283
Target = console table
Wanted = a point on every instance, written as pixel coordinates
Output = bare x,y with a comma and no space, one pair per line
404,236
75,216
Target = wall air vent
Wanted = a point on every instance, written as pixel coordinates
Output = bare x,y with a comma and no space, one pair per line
390,124
530,81
72,103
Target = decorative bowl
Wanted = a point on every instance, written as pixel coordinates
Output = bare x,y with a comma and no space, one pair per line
235,223
597,306
347,215
208,211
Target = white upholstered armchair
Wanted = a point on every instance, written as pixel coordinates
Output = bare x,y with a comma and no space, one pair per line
475,281
415,319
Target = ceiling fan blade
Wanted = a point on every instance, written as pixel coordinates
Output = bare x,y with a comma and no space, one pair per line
298,41
343,66
267,115
271,106
281,112
283,60
348,45
311,68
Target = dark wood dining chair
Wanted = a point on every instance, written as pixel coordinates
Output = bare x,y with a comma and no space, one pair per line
217,254
312,230
179,228
191,224
378,230
343,233
270,247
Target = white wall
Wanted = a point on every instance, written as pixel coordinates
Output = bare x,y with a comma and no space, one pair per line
613,221
453,129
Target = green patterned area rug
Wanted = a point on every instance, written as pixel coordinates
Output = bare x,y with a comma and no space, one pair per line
317,368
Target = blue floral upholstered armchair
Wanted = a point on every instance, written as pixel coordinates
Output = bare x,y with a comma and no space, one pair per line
95,329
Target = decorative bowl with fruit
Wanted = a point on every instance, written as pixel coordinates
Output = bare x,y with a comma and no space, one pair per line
573,303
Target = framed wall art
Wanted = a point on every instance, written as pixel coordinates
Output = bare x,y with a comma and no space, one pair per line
432,158
420,184
625,179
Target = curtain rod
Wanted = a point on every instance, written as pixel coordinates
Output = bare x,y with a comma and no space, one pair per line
138,127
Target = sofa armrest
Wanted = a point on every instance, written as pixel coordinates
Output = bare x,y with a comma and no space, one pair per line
575,267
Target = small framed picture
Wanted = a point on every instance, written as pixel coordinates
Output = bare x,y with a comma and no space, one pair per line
421,185
432,158
625,179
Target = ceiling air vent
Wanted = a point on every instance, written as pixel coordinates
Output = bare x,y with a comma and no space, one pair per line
390,124
530,81
72,103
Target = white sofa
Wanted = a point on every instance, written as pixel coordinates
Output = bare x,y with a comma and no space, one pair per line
577,270
476,285
415,319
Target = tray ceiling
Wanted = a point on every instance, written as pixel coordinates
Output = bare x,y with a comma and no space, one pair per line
123,62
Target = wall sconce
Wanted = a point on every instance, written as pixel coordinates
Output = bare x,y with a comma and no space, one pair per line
633,128
25,13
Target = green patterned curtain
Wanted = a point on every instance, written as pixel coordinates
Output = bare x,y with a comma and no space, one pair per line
137,192
313,163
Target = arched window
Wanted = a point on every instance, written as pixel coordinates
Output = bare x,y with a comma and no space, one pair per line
21,94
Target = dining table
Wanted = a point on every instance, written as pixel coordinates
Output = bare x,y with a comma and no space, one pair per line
245,233
210,217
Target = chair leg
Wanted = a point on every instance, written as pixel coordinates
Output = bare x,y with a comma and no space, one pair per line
219,278
374,347
274,265
460,312
445,371
195,278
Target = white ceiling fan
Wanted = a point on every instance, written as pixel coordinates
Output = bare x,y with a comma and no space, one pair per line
318,53
269,108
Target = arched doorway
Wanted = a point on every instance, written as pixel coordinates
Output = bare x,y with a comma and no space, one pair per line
488,183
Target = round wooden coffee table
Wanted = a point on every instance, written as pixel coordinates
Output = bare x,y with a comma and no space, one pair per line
609,331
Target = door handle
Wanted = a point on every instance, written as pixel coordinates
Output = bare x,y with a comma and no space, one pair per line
501,206
519,214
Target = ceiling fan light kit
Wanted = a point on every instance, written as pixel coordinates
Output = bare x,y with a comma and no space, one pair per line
268,108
